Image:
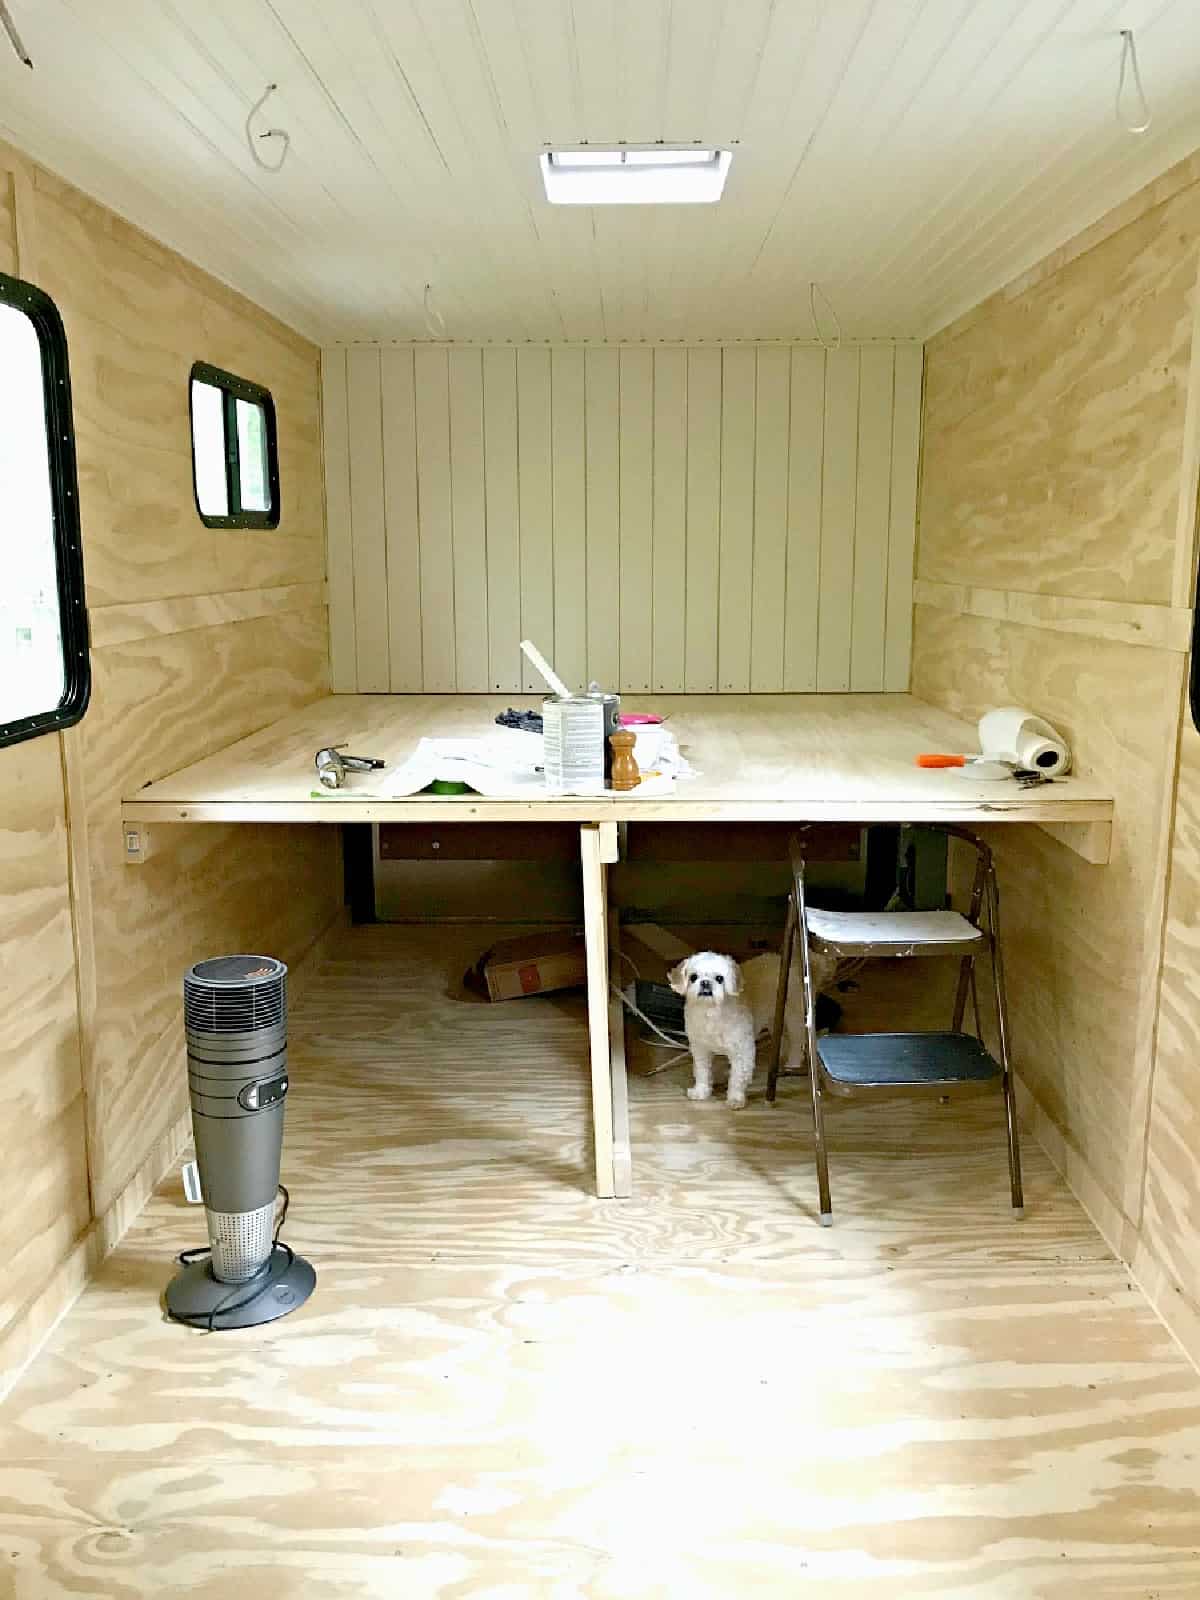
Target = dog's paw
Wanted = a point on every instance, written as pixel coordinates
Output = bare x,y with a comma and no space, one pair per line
736,1102
699,1091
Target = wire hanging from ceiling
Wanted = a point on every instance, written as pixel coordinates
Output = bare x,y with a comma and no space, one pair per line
10,29
434,320
1129,64
252,138
815,289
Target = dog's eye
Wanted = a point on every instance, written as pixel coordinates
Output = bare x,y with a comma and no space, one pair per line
720,979
695,977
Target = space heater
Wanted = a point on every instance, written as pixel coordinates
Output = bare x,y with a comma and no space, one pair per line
235,1019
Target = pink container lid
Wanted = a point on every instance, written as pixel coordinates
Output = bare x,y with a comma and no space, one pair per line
634,719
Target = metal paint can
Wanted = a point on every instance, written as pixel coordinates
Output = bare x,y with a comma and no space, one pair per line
574,743
612,719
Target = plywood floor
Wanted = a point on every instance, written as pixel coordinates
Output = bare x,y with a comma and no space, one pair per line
505,1388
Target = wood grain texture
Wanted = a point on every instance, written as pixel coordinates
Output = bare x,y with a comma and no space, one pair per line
44,1204
1171,1219
999,1414
1155,627
8,219
671,504
151,619
154,700
131,346
1082,940
1054,425
198,632
789,757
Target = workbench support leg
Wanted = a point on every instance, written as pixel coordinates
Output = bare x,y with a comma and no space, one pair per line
597,845
622,1148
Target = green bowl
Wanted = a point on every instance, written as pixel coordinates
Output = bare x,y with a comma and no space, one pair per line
442,786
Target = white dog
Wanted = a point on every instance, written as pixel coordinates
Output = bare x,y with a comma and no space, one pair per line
726,1008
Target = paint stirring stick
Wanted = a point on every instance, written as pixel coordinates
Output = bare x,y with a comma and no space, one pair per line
535,656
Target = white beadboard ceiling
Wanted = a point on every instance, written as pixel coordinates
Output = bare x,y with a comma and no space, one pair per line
908,155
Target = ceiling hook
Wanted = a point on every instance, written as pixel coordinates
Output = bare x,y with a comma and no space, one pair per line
271,133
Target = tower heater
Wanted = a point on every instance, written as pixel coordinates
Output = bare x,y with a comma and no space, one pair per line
235,1017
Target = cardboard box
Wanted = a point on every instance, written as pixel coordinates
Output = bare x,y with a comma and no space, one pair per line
535,964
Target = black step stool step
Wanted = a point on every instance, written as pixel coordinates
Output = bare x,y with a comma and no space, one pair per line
913,1060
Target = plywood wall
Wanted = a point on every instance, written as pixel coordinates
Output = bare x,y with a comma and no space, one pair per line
1056,535
199,637
699,520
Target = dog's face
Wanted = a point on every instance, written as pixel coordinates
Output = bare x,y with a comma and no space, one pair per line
707,977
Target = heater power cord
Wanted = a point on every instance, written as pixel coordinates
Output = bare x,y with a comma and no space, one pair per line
228,1302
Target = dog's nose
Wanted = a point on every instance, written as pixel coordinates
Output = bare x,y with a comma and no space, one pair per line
706,988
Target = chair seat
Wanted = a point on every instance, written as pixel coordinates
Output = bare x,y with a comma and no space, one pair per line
892,933
904,1060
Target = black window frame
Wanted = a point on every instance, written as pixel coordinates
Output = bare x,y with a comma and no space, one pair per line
64,502
232,390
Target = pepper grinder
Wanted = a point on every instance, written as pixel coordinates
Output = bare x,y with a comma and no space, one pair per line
625,774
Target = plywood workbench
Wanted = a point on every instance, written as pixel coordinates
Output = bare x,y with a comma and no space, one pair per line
768,758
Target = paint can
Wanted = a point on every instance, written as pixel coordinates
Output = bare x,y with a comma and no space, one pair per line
612,720
574,743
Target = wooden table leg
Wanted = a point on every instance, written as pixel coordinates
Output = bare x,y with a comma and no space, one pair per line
597,847
622,1148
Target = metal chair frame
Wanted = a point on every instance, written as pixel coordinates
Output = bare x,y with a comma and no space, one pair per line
985,901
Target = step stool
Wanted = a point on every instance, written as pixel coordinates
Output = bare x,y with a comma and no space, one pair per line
888,1063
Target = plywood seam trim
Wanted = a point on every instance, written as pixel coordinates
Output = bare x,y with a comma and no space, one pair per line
153,619
1155,627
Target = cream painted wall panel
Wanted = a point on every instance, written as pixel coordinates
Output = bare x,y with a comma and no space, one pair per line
365,413
806,454
737,519
703,517
438,641
568,439
503,518
343,660
401,515
536,507
467,513
603,601
670,518
769,566
636,517
902,516
868,642
673,518
840,479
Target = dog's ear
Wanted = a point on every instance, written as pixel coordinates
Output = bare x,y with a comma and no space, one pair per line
677,978
734,985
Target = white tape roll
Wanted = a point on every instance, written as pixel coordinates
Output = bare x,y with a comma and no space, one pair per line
1011,734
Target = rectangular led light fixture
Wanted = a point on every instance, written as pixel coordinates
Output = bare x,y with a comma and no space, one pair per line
652,176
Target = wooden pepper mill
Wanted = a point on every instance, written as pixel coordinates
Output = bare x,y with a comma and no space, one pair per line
625,774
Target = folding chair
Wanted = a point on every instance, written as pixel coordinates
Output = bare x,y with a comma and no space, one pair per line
848,1064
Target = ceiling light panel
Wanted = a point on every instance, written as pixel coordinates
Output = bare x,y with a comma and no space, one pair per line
634,177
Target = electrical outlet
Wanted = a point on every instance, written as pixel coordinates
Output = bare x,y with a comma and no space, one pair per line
137,843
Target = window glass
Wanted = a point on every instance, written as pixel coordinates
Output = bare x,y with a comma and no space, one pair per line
44,679
252,456
208,449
